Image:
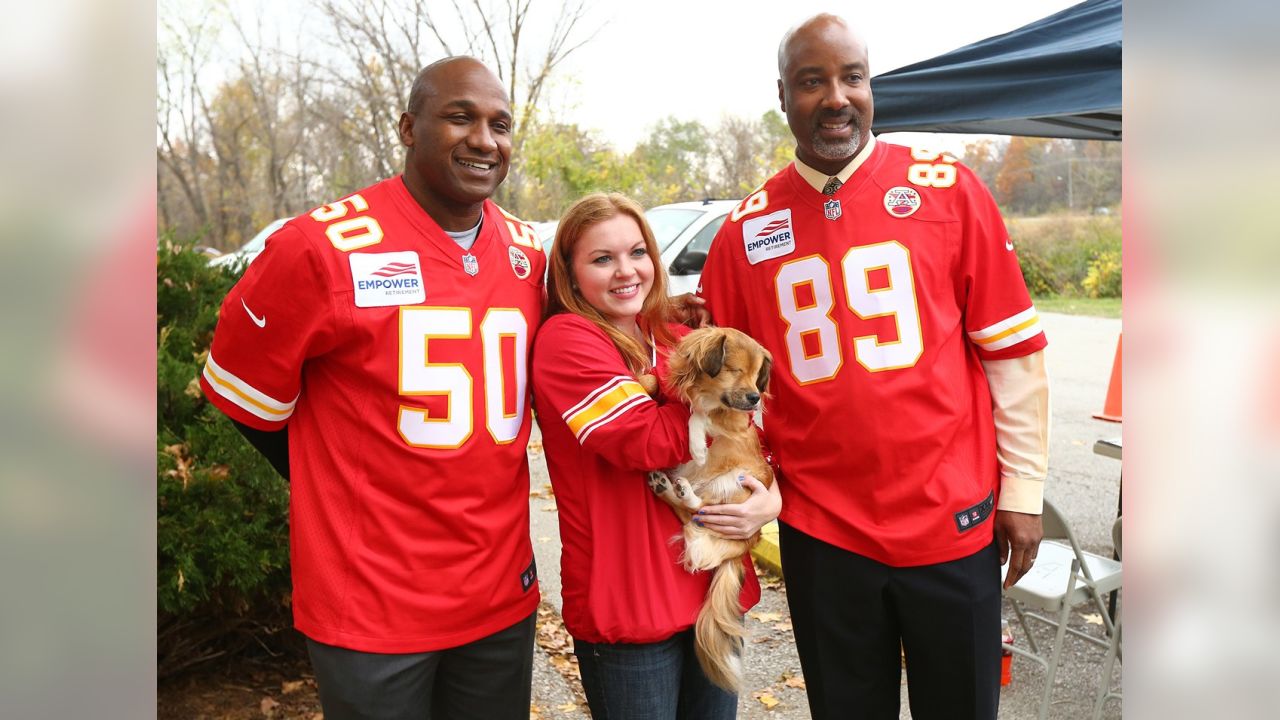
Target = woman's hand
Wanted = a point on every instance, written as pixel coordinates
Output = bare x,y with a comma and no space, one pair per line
691,310
744,519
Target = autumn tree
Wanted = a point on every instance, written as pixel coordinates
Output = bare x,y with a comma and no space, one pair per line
182,133
287,129
562,162
1022,183
984,157
381,45
746,152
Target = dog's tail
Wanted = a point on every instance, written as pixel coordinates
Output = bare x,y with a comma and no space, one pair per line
719,631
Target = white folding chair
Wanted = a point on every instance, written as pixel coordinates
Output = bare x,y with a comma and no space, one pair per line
1105,691
1062,577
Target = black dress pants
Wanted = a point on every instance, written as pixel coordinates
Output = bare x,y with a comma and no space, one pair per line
851,614
488,679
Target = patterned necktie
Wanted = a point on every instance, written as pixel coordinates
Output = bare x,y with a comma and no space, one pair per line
832,186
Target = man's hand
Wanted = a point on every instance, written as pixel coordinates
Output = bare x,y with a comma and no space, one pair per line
1018,536
691,310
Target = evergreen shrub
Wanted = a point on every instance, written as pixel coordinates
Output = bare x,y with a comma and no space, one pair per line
222,525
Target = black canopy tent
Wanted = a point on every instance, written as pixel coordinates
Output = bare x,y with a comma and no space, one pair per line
1056,77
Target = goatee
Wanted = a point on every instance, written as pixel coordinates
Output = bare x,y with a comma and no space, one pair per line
839,149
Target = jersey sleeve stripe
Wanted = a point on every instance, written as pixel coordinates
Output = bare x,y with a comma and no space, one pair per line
1014,337
990,332
602,405
595,395
244,395
1035,321
1011,336
614,414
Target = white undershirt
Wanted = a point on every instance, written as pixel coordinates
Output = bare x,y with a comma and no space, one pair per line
466,238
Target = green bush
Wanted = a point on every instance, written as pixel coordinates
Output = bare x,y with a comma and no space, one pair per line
221,526
1103,278
1057,254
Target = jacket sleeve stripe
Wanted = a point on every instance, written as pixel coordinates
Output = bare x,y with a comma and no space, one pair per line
600,405
245,395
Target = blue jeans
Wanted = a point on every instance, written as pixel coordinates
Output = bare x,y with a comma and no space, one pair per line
650,681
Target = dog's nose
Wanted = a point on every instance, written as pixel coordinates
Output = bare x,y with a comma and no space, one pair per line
753,398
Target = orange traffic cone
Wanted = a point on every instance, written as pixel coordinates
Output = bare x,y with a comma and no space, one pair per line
1111,408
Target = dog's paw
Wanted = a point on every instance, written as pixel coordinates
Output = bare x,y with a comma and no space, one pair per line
684,491
659,483
649,382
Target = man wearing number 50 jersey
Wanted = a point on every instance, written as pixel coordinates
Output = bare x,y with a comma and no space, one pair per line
909,414
377,351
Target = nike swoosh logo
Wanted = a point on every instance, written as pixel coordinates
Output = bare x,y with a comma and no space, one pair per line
1008,244
259,321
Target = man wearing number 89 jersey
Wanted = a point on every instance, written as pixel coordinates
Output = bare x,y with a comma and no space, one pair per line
883,281
388,334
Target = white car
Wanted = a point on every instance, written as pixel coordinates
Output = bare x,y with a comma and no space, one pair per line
546,232
243,255
684,232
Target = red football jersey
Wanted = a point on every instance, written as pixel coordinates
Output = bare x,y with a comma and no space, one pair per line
879,304
399,363
620,571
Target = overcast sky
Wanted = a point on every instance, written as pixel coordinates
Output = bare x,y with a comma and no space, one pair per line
700,60
696,59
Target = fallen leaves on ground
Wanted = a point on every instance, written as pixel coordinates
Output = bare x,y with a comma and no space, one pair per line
792,681
766,698
292,686
768,581
535,446
1092,618
545,492
765,617
240,691
558,645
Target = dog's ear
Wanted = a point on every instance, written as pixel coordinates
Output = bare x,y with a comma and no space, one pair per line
712,358
762,377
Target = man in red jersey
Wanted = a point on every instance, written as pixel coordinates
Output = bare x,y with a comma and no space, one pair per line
377,352
909,415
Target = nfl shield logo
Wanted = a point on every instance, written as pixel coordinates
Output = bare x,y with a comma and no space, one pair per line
470,264
832,208
964,521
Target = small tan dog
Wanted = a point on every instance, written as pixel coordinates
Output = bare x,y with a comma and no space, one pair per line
720,374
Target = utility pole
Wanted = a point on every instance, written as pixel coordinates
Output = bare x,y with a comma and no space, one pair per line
1071,205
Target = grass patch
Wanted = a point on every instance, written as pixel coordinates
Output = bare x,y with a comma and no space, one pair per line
1096,307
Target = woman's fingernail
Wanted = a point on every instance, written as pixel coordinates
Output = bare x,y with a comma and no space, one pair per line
697,522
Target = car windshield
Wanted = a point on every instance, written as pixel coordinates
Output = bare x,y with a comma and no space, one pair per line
667,224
